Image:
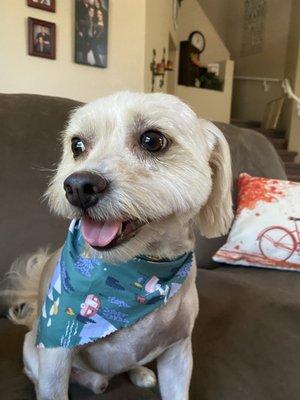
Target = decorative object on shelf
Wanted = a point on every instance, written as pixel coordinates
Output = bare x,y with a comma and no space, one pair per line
160,68
91,30
189,60
214,67
209,80
169,66
41,38
47,5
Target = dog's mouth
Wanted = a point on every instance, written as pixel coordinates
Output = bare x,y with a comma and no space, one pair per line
104,235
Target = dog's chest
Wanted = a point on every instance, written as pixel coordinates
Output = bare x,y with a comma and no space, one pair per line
148,338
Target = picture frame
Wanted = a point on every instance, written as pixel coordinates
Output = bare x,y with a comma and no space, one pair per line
91,32
46,5
41,38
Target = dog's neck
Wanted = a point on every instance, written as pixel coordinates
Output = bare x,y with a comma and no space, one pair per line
167,238
174,241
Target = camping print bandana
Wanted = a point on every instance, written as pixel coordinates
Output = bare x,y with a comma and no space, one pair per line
89,299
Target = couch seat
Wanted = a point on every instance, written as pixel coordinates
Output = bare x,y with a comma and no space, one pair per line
246,342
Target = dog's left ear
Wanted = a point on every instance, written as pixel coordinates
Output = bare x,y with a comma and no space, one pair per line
215,217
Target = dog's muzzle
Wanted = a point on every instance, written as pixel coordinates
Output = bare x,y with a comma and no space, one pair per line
84,189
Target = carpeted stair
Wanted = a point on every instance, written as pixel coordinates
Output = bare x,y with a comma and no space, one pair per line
278,138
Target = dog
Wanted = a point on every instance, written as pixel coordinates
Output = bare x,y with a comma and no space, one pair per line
148,162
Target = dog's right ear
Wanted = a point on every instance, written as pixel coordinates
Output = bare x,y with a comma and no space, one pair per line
215,217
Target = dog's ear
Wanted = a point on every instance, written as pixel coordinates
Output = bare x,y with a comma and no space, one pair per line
215,217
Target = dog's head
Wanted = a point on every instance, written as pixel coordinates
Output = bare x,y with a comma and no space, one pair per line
138,168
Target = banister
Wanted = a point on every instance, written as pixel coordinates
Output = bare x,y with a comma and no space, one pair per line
286,86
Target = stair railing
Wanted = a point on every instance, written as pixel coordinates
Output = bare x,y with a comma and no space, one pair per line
265,81
286,86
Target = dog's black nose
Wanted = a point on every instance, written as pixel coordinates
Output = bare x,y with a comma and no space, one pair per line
83,189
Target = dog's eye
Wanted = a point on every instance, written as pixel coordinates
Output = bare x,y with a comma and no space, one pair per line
77,146
153,141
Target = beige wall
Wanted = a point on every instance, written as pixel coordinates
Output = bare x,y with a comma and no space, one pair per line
292,72
22,73
135,28
217,11
208,104
192,17
159,25
249,97
294,120
271,61
160,31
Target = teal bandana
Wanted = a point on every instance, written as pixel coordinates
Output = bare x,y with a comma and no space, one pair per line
89,299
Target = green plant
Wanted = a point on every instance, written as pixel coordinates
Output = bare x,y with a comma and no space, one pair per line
209,80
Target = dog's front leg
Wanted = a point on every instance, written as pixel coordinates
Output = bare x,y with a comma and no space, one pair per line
174,368
54,373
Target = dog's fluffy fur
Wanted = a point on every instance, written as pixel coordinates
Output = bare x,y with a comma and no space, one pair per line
189,182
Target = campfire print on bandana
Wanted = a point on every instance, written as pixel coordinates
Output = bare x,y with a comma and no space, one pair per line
88,299
266,230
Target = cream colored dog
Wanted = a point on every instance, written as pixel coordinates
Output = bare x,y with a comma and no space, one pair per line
149,162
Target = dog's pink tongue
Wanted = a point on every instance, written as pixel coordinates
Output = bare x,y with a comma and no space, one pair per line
99,234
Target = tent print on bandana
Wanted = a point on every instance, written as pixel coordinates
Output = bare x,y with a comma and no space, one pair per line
51,305
99,327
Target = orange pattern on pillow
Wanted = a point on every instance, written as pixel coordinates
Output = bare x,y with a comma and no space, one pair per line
252,190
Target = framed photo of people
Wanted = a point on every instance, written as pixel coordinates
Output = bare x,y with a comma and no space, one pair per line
41,38
47,5
91,30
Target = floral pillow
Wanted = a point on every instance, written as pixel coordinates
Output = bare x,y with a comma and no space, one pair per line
266,229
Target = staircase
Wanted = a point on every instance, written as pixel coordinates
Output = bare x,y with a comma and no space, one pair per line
278,138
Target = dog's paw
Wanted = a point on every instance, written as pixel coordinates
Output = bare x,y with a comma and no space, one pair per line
94,381
142,377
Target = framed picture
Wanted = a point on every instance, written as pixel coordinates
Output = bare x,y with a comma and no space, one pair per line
47,5
91,31
41,38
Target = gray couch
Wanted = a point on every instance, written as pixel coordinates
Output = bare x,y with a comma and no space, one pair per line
246,340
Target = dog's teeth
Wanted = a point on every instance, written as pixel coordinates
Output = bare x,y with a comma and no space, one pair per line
120,230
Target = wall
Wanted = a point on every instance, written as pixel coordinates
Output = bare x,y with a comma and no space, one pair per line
192,17
22,73
135,28
217,11
249,98
292,71
271,61
208,104
294,120
159,26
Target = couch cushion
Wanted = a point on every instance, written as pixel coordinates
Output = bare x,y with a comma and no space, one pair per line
29,131
245,343
247,338
14,385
